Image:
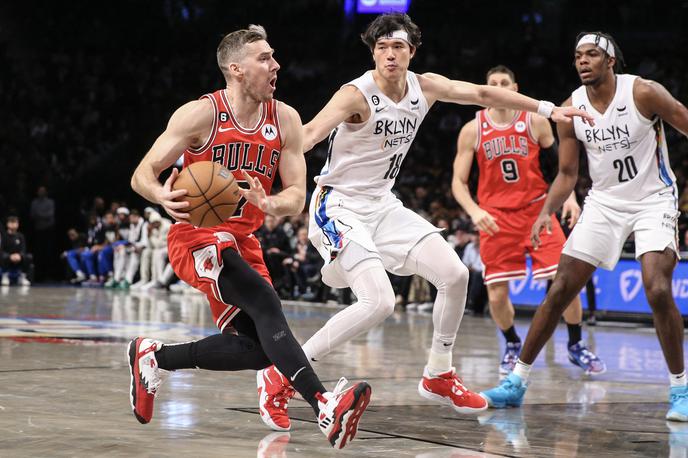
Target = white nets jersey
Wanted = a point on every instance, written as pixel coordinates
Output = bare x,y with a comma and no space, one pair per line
627,154
364,159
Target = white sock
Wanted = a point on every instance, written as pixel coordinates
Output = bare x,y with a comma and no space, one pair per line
522,370
439,363
678,379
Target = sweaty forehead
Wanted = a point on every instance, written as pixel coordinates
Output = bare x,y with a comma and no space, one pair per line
258,47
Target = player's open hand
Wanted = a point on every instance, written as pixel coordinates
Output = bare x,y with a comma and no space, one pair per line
255,193
168,199
566,114
571,211
485,222
543,222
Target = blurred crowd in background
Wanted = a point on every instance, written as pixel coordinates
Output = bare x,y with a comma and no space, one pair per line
87,89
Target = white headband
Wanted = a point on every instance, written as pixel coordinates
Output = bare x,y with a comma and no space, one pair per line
598,41
396,35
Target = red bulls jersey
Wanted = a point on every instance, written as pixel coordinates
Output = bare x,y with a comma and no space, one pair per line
255,149
509,162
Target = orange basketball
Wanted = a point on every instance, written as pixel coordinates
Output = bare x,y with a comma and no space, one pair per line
212,193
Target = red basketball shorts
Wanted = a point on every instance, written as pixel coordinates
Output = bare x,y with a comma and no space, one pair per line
196,257
504,254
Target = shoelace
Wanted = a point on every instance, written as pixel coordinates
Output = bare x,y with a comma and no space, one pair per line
339,387
681,397
281,399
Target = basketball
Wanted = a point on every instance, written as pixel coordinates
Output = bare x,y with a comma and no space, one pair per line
212,193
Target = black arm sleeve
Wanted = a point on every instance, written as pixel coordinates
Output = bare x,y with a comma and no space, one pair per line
549,162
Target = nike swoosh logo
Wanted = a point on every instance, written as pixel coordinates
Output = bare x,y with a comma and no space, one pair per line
623,108
414,102
447,344
487,132
377,110
293,377
225,129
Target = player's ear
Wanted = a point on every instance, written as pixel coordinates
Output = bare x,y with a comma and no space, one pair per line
516,87
413,51
235,70
611,62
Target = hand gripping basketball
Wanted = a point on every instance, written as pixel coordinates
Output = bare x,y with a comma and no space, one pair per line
211,193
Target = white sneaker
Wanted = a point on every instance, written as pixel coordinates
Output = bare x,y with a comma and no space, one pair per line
178,287
5,280
411,306
340,411
426,307
136,286
23,281
80,277
148,286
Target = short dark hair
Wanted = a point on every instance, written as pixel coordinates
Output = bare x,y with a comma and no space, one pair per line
231,47
501,69
620,62
12,219
134,211
386,24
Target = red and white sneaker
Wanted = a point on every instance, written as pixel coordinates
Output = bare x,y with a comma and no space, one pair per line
274,445
447,388
274,393
340,411
145,376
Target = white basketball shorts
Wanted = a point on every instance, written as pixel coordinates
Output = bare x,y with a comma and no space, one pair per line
382,226
605,224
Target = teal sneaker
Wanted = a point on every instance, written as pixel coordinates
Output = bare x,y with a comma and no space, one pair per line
509,393
678,399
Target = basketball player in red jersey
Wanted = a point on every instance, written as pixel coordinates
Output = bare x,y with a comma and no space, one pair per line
256,137
507,145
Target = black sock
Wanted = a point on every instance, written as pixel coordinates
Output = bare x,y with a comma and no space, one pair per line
575,333
511,336
307,383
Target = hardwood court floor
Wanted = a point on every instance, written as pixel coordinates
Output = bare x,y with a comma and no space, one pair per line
64,388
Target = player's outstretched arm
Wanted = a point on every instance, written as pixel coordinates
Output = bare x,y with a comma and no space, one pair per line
563,184
345,105
542,131
653,99
189,126
462,169
292,170
437,87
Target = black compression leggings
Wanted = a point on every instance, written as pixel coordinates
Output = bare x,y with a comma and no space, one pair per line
264,335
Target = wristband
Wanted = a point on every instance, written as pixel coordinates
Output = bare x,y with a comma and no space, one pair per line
545,108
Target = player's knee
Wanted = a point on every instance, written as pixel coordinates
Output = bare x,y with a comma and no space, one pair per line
455,277
380,303
659,295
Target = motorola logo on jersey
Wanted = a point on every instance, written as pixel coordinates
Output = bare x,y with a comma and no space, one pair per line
269,132
612,138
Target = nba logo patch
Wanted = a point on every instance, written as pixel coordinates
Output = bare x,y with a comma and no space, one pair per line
520,127
269,132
